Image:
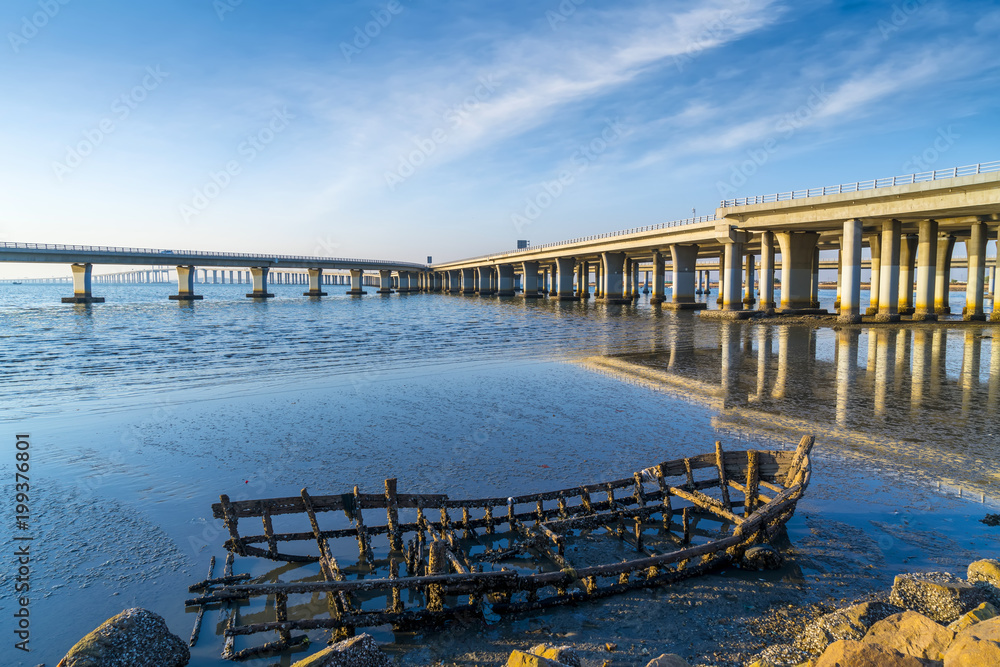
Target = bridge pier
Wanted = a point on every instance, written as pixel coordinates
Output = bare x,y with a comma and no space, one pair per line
850,278
357,283
750,287
468,281
767,272
185,285
385,281
659,280
683,259
258,276
564,279
82,274
798,254
924,310
484,285
315,283
875,274
907,264
612,279
530,270
583,280
942,278
888,288
505,280
975,249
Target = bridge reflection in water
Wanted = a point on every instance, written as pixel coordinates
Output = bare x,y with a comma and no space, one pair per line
922,397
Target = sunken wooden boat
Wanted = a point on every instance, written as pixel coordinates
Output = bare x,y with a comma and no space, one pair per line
409,559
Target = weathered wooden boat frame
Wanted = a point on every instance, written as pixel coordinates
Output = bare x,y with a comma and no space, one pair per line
438,570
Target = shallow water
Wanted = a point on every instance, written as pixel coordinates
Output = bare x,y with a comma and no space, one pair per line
142,411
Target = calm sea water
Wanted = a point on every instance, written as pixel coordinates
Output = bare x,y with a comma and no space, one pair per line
142,411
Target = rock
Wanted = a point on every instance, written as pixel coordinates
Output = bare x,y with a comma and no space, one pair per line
134,638
850,623
911,633
850,653
359,651
780,655
522,659
940,596
975,646
983,612
609,647
668,660
762,557
986,574
565,655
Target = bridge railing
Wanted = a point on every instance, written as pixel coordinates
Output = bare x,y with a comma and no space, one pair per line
872,184
165,254
595,237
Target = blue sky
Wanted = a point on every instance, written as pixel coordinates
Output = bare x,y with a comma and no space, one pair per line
404,129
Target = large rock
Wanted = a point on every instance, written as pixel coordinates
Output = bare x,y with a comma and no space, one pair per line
359,651
565,655
911,633
134,638
850,623
850,653
667,660
983,612
762,557
975,646
986,574
522,659
940,596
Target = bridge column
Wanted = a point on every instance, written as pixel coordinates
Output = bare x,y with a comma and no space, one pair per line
81,285
975,250
384,281
315,283
484,286
875,278
683,259
749,299
814,282
530,270
888,291
627,278
722,269
942,279
438,281
357,283
659,279
598,279
185,285
564,279
907,262
731,300
258,275
798,251
583,280
850,269
635,280
505,280
613,288
767,271
468,281
926,271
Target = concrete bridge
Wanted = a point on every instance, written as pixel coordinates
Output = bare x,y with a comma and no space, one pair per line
910,223
258,267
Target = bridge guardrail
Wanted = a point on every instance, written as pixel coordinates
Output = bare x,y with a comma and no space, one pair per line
871,184
594,237
165,253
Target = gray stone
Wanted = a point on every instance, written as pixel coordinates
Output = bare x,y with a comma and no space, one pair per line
850,623
564,655
134,638
359,651
781,655
762,557
940,596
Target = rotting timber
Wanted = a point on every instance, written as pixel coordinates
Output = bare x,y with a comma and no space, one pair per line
428,558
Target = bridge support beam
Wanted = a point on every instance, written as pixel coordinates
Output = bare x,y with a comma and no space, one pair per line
185,285
530,270
81,285
659,279
975,249
750,280
468,281
850,253
258,276
635,280
907,263
564,279
454,278
583,280
875,274
485,284
612,290
384,281
357,283
888,288
683,259
505,280
315,283
767,271
731,301
798,250
926,271
942,278
598,279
